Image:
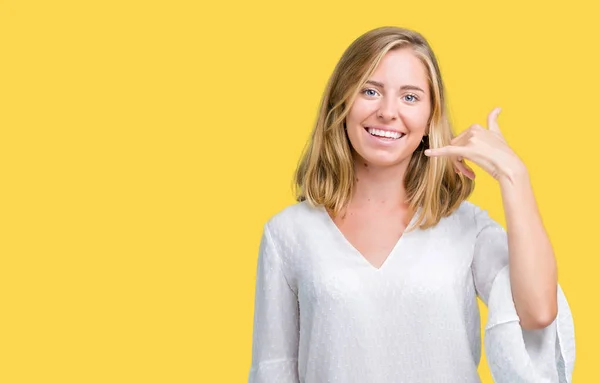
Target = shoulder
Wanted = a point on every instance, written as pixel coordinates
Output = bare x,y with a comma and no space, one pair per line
297,212
294,229
474,215
299,217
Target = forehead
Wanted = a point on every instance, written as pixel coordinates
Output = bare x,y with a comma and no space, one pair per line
401,67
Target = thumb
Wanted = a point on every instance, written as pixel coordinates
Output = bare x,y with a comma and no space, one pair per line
493,120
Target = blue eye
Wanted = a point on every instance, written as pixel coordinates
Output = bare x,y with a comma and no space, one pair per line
413,96
367,90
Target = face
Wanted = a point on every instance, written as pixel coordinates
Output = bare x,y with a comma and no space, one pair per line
389,116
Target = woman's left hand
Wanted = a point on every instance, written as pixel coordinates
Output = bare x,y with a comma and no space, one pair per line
485,147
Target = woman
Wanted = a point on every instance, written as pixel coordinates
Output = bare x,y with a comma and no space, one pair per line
373,275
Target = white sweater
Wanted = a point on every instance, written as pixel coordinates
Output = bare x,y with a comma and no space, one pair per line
323,313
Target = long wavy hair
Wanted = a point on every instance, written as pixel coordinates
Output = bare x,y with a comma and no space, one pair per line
325,174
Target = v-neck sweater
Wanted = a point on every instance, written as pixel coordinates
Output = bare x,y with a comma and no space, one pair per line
324,313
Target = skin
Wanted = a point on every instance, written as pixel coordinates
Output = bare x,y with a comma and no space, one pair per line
381,168
533,270
371,221
380,194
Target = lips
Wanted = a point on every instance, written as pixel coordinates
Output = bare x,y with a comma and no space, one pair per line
385,128
396,135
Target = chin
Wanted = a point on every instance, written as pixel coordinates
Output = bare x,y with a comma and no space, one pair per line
385,160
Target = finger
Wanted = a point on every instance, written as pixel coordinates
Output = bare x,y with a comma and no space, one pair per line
458,138
464,169
464,137
493,120
461,165
449,150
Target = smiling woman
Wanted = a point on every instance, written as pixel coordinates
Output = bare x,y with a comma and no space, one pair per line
399,82
373,275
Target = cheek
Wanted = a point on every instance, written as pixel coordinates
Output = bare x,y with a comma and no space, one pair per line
359,112
416,119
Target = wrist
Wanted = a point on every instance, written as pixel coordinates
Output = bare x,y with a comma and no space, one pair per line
513,173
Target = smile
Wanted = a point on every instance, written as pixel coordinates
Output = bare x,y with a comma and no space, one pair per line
384,134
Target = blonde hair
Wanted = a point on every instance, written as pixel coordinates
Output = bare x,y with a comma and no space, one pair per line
325,173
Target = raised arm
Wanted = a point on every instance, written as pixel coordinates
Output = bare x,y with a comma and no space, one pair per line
533,274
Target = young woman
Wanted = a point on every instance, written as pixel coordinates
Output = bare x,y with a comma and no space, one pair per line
372,276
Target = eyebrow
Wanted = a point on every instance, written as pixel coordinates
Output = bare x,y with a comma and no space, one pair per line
403,87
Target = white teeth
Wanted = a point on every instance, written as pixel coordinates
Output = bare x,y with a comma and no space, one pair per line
383,133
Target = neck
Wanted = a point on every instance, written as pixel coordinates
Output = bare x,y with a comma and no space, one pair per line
379,187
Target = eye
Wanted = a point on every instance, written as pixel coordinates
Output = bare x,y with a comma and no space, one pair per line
414,98
374,92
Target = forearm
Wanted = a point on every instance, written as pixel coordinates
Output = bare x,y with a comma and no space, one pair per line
533,274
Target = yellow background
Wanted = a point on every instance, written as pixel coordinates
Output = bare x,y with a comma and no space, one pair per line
144,144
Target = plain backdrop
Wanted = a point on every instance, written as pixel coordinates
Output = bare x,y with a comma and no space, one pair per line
145,143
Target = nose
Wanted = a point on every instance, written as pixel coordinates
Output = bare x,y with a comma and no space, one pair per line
388,109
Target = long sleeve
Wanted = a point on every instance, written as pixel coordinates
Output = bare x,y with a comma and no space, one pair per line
276,320
516,355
